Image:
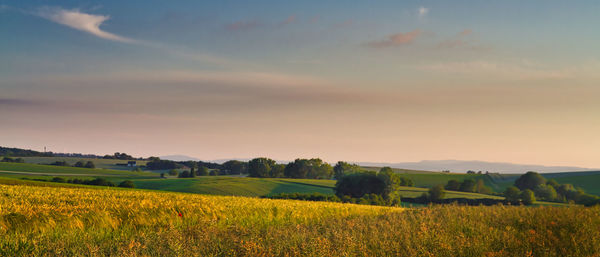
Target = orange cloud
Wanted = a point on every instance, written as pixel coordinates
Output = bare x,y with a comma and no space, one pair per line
397,39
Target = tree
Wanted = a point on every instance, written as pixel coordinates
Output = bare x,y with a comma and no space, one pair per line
468,185
308,168
202,171
260,167
453,185
406,182
386,169
528,197
213,173
530,180
235,167
192,173
545,192
342,168
173,172
58,180
482,188
89,165
127,183
512,194
437,193
356,185
184,174
277,171
79,164
162,175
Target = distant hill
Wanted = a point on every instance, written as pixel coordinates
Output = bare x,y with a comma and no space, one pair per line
9,151
179,158
463,166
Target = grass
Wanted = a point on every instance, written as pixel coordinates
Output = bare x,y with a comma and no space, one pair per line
36,169
240,186
100,163
49,221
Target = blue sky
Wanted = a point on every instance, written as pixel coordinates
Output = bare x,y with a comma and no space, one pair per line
505,66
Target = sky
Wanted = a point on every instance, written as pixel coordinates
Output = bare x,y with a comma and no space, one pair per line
378,81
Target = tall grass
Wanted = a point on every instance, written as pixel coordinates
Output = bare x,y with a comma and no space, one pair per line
46,221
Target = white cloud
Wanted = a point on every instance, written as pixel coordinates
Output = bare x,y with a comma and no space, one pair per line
422,11
75,19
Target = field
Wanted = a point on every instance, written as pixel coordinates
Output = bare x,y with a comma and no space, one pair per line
100,163
96,221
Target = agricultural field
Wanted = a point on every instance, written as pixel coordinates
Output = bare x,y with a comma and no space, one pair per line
53,221
100,163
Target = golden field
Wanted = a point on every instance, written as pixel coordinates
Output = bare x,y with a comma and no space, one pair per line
54,221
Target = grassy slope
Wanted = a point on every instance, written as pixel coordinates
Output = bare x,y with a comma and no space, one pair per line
100,163
19,168
241,186
107,222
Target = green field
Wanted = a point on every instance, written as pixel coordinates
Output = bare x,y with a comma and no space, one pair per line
100,163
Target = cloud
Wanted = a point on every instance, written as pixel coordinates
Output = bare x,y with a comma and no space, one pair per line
75,19
242,25
461,40
289,20
396,39
422,12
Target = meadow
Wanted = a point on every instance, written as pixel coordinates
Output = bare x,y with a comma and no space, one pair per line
56,221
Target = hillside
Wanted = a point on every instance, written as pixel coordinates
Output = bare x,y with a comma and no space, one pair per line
122,222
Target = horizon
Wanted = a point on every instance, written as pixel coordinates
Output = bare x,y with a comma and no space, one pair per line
390,82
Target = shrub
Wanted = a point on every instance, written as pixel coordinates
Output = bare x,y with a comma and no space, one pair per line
173,172
58,180
89,165
437,193
127,183
512,194
528,197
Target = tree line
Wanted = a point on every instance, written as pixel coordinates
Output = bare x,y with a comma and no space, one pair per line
532,186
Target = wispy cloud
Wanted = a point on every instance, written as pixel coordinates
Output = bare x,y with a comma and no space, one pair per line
75,19
396,39
422,12
461,40
289,20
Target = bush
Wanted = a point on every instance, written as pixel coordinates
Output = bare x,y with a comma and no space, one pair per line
127,184
89,165
528,197
213,173
58,180
512,194
173,172
437,193
184,174
79,164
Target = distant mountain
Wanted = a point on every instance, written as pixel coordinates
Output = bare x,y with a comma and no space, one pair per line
179,158
464,166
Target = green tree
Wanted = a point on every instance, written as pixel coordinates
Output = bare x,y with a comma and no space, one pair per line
356,185
79,164
468,185
192,172
529,180
512,194
308,168
89,165
528,197
341,168
213,173
437,193
173,172
127,183
453,185
184,174
202,171
545,192
260,167
235,167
